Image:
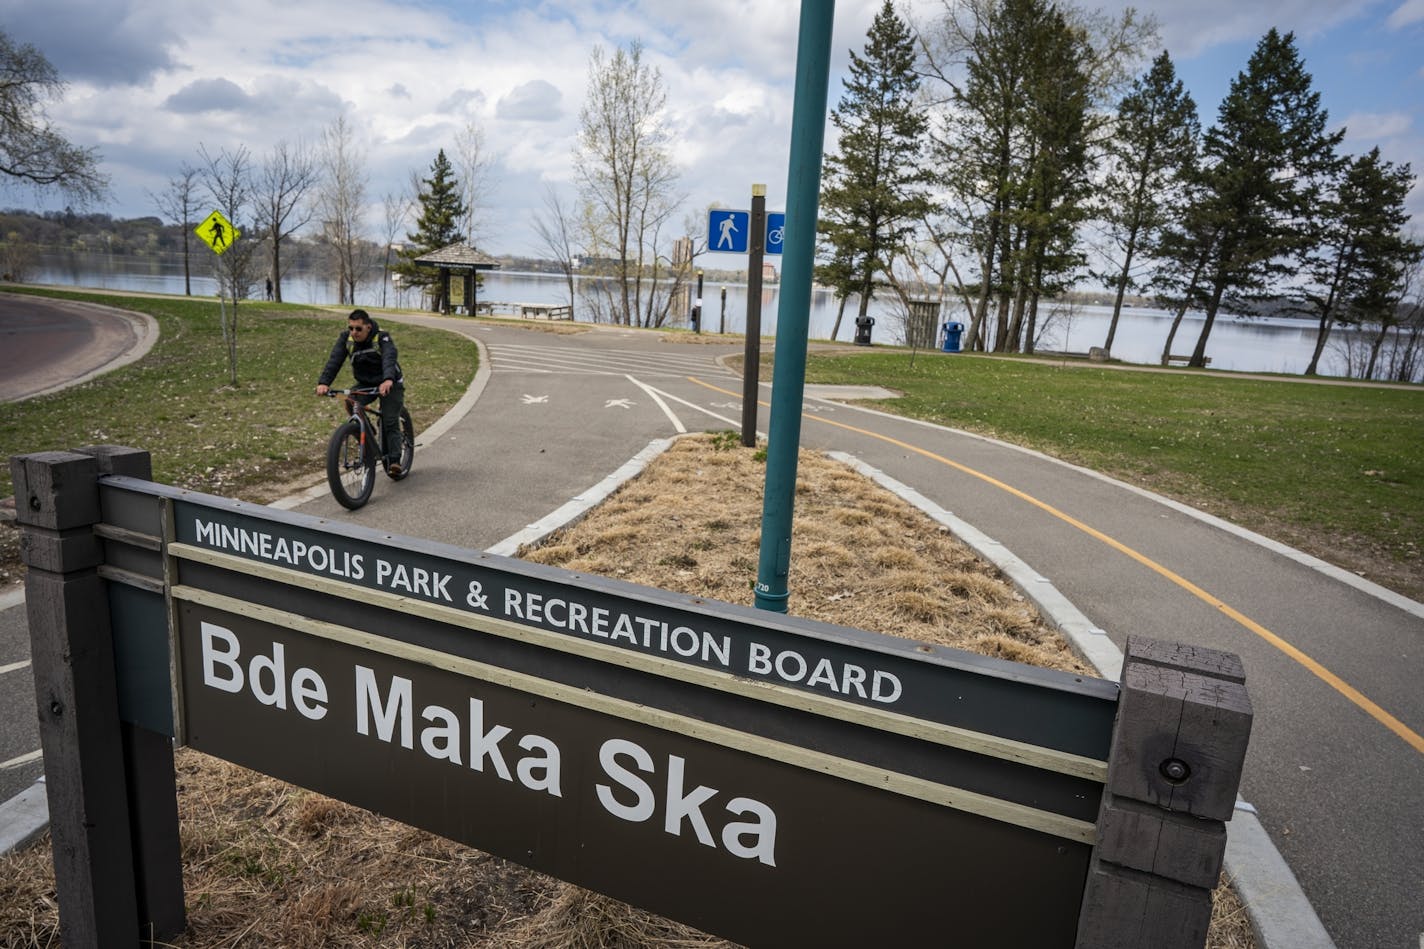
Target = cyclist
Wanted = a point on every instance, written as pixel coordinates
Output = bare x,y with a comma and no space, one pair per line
373,362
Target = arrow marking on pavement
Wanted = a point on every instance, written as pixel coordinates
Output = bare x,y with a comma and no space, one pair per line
618,404
1410,737
653,394
535,399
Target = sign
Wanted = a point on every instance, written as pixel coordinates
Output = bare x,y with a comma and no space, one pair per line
601,732
775,231
605,795
217,232
728,232
787,766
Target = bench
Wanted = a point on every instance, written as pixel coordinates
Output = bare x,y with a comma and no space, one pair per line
1206,361
550,311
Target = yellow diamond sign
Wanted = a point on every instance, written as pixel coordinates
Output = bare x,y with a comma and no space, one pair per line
217,232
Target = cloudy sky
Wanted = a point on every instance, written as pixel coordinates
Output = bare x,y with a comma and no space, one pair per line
151,80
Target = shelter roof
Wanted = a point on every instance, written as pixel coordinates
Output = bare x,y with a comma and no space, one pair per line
457,256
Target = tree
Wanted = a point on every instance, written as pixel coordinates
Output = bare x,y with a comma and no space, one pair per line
288,173
1020,83
1361,252
395,211
32,151
179,203
627,189
1152,149
227,179
555,229
341,199
1266,162
873,190
436,226
475,170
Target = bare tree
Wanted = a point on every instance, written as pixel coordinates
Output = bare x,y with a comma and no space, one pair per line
341,198
288,173
474,166
32,152
627,187
227,179
179,203
395,212
555,229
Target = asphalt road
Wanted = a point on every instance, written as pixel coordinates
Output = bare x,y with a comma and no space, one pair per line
1329,667
53,343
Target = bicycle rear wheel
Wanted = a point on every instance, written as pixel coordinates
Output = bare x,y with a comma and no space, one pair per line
407,452
350,466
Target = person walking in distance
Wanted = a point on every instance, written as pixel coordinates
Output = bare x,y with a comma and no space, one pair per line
372,352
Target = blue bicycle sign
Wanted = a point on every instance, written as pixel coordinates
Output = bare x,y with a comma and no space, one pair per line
775,231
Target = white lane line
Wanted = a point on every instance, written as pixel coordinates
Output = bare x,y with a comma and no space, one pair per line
23,759
14,667
652,394
735,423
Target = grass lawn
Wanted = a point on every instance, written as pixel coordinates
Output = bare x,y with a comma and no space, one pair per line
1335,470
252,440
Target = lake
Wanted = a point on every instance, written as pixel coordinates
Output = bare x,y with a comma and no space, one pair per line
1236,344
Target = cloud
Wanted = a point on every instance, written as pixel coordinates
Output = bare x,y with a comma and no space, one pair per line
1373,126
534,101
209,95
462,100
399,91
100,41
1410,11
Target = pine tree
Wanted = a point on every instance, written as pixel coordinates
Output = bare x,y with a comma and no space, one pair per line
1267,161
437,226
1150,155
1356,267
873,190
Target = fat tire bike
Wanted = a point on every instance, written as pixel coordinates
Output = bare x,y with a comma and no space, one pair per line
356,448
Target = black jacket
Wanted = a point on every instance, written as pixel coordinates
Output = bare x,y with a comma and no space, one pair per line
372,362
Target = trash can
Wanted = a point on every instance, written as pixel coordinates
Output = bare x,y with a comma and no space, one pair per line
862,330
952,332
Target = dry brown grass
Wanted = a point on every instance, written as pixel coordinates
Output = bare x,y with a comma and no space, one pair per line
267,864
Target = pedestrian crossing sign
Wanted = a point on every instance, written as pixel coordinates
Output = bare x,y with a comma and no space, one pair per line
217,232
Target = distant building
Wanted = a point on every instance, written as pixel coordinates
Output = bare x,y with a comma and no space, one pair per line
769,273
682,251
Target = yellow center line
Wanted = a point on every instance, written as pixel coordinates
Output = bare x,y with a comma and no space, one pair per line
1411,737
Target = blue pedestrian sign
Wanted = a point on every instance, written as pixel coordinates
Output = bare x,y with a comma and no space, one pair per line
728,231
775,231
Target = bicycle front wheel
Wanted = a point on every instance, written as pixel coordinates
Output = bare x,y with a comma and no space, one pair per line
350,466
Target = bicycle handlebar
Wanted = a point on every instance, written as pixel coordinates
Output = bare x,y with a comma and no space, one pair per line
361,390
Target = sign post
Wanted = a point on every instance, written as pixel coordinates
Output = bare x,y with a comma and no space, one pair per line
751,361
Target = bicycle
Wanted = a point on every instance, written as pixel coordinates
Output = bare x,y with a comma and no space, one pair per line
356,446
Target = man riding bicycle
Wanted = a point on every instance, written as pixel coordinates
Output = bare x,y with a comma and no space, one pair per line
373,363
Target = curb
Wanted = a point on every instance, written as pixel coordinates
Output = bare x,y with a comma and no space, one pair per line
24,817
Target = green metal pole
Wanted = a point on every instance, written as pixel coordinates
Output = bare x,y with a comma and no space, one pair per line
803,190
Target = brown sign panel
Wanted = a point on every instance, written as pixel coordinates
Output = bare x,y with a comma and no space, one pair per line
698,822
1043,707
